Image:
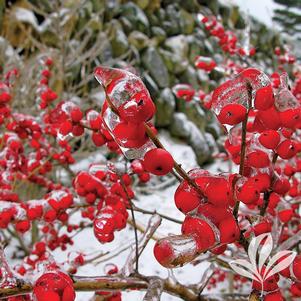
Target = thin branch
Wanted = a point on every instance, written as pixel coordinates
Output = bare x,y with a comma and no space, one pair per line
144,211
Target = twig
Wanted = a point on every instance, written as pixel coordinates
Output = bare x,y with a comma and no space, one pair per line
144,211
134,223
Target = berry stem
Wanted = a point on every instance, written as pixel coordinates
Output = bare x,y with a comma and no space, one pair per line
266,198
243,143
242,157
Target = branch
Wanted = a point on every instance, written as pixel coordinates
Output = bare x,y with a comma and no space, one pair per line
108,283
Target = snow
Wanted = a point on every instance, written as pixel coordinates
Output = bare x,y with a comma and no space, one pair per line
26,16
262,10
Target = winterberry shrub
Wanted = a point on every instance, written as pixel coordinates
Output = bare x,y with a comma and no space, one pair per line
221,213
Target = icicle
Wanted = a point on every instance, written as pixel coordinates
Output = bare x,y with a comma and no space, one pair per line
7,278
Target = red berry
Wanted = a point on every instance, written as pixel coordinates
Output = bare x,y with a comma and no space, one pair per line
98,139
269,139
286,149
269,119
66,128
296,267
158,161
232,114
285,215
264,98
23,226
258,159
290,118
248,193
218,192
281,186
186,198
229,230
139,109
76,114
130,135
163,252
202,230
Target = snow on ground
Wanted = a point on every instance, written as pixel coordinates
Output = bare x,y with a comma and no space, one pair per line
160,200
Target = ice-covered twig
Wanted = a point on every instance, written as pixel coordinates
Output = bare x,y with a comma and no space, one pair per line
154,290
206,277
153,224
290,243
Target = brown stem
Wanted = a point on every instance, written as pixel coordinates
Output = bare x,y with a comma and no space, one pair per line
106,283
243,142
266,198
242,157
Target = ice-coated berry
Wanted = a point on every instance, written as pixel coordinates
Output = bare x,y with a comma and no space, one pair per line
232,114
269,139
158,161
264,98
229,230
55,285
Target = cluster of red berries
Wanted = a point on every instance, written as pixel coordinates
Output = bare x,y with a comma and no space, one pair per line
5,98
208,210
134,107
109,193
188,93
126,113
46,94
226,39
54,285
205,63
284,56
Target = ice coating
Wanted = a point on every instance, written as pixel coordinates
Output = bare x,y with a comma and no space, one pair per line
238,90
154,290
7,278
284,97
176,250
112,120
131,99
68,106
120,85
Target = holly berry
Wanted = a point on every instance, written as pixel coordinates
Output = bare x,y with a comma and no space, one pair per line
186,198
130,135
163,252
296,267
202,230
